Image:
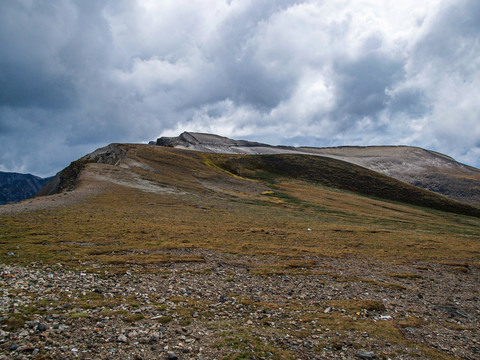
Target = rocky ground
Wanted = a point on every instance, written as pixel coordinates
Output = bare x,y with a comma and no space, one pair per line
240,307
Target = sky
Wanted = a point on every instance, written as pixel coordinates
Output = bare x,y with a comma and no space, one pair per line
76,75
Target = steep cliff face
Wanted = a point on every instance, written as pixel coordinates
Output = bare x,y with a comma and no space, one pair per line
15,187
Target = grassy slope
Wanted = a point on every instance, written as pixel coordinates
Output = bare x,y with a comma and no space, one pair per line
126,225
341,175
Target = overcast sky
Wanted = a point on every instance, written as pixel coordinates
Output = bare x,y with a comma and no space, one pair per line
76,75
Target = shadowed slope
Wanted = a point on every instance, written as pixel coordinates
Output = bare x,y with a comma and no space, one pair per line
342,175
426,169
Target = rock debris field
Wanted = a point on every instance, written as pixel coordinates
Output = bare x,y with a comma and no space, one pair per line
241,307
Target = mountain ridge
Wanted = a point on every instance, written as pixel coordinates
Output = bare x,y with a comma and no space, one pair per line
16,186
237,173
420,167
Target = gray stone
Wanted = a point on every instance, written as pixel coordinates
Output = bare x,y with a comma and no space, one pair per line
171,355
452,310
362,354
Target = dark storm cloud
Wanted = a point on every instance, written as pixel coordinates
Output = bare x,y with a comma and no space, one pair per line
29,73
50,56
362,85
412,102
28,86
76,75
248,80
255,86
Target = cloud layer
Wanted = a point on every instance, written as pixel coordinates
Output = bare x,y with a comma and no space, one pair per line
76,75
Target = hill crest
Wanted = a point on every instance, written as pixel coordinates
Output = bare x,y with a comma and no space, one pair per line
174,170
427,169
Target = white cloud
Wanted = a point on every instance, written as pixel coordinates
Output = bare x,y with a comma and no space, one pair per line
322,72
148,75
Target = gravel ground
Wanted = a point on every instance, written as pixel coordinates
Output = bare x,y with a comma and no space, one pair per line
233,304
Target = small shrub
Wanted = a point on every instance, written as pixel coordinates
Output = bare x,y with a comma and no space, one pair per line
134,318
409,276
77,315
14,322
164,319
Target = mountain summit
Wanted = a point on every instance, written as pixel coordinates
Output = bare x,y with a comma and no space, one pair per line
426,169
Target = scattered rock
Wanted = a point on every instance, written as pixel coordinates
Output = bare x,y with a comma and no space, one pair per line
179,306
42,327
171,355
362,354
452,310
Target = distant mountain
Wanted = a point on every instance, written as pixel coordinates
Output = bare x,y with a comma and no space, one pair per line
15,187
419,167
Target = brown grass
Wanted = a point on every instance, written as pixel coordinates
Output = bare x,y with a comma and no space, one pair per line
356,305
408,276
124,226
